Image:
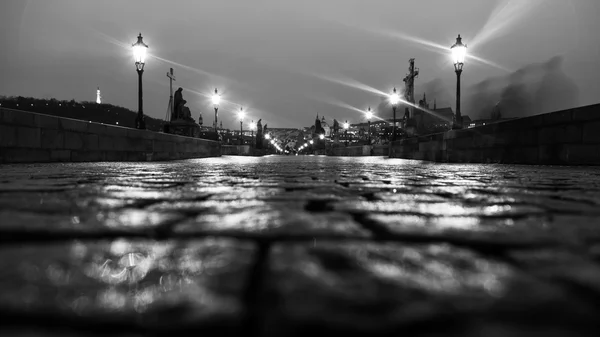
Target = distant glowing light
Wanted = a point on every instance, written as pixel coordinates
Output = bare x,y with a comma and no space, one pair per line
369,113
346,125
216,98
321,136
394,97
241,114
311,141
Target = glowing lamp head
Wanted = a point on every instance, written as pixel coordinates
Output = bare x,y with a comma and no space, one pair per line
311,141
459,52
252,126
394,98
216,98
139,52
241,114
369,113
267,136
321,136
346,125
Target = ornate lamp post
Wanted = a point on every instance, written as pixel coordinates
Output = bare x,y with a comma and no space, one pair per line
346,126
459,51
369,115
241,117
394,99
216,100
139,56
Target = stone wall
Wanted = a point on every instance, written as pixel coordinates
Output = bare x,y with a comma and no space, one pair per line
568,137
358,151
31,137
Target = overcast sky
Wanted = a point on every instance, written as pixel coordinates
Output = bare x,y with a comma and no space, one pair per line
285,61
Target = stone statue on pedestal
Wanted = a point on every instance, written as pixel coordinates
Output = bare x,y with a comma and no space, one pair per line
259,134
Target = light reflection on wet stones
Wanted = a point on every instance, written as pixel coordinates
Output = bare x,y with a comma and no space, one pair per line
181,282
272,220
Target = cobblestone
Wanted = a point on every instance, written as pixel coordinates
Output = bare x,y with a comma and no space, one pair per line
293,246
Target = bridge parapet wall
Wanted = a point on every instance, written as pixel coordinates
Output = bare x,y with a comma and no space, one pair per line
31,137
358,151
568,137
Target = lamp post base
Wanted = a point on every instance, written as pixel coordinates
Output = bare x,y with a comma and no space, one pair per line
140,122
457,124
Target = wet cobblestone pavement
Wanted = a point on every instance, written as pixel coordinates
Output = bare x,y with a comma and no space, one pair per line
292,246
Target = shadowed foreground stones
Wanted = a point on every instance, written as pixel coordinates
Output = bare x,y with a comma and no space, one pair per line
135,285
386,289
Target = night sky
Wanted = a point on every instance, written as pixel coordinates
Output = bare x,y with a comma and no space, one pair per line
285,61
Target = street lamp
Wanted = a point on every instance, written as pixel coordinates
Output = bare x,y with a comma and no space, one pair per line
311,142
394,100
139,56
321,136
346,126
459,51
369,116
216,100
241,117
268,136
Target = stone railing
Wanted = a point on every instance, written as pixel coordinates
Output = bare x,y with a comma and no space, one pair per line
358,151
568,137
32,137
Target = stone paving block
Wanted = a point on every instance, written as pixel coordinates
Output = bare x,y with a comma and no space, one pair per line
561,266
471,229
153,286
437,209
394,289
93,222
272,221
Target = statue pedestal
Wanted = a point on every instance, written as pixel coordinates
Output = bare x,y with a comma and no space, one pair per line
183,127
